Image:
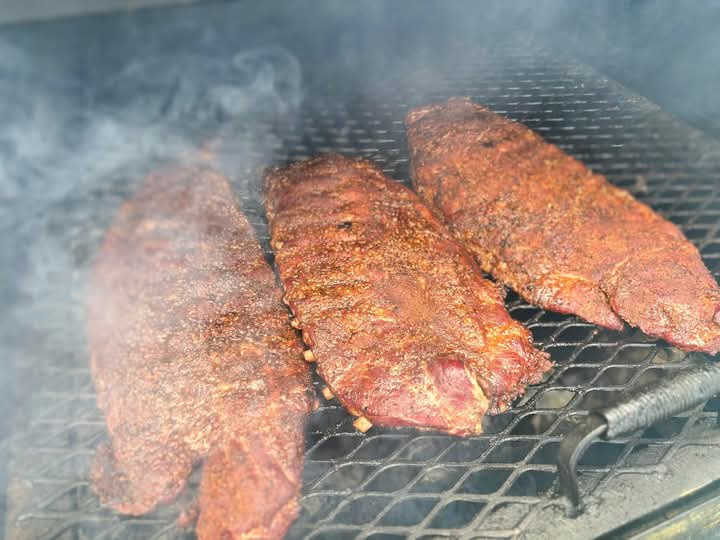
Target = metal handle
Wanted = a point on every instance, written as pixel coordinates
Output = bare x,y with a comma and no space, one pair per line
687,389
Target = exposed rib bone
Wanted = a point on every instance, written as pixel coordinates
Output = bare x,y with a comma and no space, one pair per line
362,424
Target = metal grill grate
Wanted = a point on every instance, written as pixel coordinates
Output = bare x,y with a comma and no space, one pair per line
400,483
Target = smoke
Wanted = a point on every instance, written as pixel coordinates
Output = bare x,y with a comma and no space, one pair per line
89,107
70,153
77,136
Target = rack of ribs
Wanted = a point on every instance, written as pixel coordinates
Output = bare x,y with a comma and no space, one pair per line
403,327
193,357
563,237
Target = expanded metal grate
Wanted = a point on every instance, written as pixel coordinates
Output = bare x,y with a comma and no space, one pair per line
403,483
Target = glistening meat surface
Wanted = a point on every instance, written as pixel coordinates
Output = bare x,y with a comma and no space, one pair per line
564,238
192,357
404,328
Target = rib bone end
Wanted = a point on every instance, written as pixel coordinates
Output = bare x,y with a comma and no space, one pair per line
362,424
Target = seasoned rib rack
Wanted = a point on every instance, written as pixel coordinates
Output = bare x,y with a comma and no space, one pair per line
563,238
193,361
405,330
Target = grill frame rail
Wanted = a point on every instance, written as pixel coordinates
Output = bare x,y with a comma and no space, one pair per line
404,483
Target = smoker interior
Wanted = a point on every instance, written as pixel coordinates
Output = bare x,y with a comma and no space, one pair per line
397,483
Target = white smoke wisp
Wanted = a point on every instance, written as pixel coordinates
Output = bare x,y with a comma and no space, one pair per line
67,164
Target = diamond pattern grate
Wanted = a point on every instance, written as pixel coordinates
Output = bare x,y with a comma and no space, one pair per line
403,483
